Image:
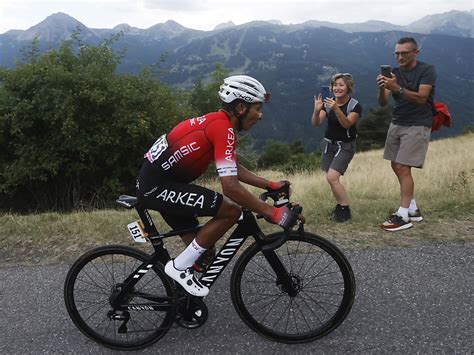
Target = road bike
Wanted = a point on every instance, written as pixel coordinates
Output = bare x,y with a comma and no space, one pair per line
291,286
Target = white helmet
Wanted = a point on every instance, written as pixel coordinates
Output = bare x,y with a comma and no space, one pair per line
242,87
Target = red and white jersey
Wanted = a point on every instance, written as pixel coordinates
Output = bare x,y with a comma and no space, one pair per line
185,153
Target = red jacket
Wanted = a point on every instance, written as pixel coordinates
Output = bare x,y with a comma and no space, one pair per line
442,116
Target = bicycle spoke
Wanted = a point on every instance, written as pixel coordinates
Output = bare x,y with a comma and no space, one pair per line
96,310
93,280
281,315
318,303
320,298
303,315
263,268
311,309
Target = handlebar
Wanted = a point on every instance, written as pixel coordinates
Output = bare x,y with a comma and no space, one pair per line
280,198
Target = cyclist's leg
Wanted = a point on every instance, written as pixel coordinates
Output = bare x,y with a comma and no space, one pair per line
184,202
228,214
188,238
223,219
177,222
226,217
179,268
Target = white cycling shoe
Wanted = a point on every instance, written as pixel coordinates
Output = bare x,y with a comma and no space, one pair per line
186,279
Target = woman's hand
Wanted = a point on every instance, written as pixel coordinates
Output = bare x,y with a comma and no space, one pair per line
318,103
330,103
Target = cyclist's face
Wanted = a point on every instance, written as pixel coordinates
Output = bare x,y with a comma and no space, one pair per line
252,116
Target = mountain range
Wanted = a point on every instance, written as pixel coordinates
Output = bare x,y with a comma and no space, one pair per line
291,60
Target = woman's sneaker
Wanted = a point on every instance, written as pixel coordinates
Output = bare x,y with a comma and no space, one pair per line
341,213
186,279
396,223
415,216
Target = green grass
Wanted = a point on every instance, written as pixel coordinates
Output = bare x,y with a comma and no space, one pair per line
443,190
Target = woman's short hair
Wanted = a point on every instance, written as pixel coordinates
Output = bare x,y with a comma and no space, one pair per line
348,80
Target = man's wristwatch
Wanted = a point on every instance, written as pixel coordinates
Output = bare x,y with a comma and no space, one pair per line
401,90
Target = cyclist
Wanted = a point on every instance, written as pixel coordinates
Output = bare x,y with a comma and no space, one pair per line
182,155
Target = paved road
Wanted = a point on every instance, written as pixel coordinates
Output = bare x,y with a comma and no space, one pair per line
409,300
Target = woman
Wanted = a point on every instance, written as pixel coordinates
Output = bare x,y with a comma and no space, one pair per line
338,145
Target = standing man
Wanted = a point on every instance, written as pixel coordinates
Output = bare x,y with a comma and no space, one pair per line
412,87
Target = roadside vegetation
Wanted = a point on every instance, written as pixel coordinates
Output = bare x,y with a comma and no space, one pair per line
444,191
73,133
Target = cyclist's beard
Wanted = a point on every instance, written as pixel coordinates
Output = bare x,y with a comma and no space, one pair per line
240,121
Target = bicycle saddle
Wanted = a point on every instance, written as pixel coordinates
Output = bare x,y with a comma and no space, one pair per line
127,201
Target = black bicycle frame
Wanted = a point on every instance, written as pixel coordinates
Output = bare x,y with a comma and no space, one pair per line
246,226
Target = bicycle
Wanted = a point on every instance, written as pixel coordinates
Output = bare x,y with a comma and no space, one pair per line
291,286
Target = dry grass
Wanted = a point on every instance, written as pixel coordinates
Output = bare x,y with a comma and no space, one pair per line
443,190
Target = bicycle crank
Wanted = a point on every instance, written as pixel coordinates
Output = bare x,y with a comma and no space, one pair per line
192,312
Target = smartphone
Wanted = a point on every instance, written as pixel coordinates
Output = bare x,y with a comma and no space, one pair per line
325,92
386,71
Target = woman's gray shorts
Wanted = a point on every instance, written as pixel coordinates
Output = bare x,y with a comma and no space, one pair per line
336,155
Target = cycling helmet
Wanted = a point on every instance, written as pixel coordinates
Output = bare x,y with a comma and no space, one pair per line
243,87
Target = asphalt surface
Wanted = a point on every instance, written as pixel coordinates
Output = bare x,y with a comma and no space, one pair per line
408,300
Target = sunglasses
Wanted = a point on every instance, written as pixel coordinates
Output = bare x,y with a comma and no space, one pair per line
340,75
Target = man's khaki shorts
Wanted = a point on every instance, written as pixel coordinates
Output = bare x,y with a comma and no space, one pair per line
407,145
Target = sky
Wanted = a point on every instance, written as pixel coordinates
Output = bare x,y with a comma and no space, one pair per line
206,14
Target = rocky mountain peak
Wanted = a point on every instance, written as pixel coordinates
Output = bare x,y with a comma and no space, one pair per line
56,27
224,25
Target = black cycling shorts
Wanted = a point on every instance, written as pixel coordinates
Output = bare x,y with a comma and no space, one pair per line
179,203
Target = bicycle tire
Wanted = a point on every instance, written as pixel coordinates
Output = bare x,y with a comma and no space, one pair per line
324,280
91,281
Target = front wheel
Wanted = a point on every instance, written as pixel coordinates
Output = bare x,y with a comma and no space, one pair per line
320,274
99,274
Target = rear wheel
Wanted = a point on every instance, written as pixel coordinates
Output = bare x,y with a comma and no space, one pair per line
100,273
320,274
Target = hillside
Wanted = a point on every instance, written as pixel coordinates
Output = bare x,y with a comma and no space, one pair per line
444,191
291,60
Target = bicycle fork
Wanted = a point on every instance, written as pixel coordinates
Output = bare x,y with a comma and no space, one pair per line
284,279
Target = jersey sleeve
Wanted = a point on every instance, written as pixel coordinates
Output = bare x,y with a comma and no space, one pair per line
223,139
429,76
358,109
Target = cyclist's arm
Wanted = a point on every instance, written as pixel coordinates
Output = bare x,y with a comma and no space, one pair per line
233,189
248,177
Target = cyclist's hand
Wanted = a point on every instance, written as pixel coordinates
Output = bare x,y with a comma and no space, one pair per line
282,187
284,217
